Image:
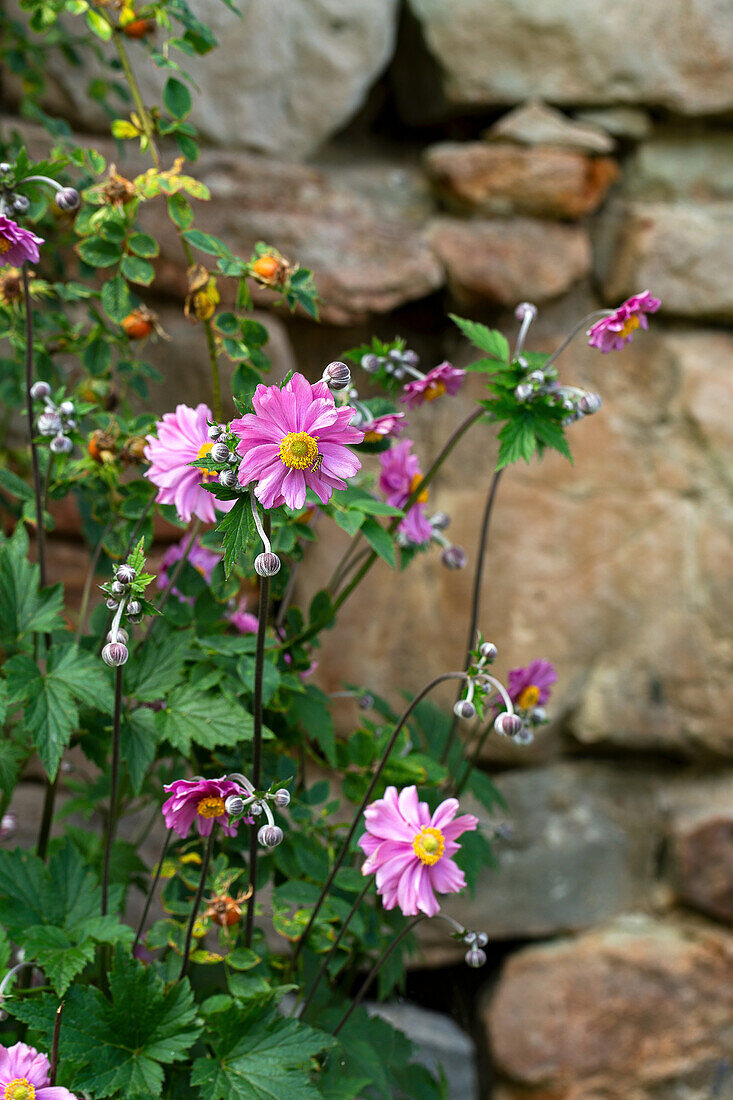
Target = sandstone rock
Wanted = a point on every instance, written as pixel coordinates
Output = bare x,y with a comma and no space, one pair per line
505,262
577,52
633,1011
621,122
534,123
505,179
683,252
679,165
701,835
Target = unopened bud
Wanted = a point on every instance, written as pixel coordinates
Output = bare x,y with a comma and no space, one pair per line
255,808
537,377
524,736
112,604
370,363
134,608
49,423
464,708
213,432
115,654
234,805
488,651
5,169
67,198
525,308
475,957
21,204
219,452
481,939
440,521
125,574
282,798
39,390
118,588
590,403
454,557
120,636
337,376
411,358
508,725
228,478
66,408
61,445
8,825
270,836
267,565
366,701
523,391
538,716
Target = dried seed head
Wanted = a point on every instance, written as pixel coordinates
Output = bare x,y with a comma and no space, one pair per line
267,565
475,957
39,390
282,798
337,376
234,805
508,725
464,708
121,636
220,452
270,836
488,651
115,654
67,198
454,557
61,445
125,574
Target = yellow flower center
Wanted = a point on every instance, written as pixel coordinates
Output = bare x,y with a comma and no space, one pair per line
211,807
630,325
19,1089
5,247
203,451
416,480
428,845
299,451
372,437
435,389
528,697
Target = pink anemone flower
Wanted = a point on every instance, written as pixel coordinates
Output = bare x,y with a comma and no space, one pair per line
445,378
530,686
410,851
24,1075
243,621
202,801
16,244
611,333
383,427
294,441
182,437
399,477
199,558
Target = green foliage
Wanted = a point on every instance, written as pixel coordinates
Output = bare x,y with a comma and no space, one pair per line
25,608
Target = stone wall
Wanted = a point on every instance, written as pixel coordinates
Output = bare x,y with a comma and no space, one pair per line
406,156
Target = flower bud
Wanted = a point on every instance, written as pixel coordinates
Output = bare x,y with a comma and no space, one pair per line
66,408
120,636
523,392
234,805
270,836
590,403
454,557
366,701
464,708
67,198
70,424
220,452
5,169
125,574
115,654
134,608
481,939
337,376
282,798
112,604
524,736
411,358
537,377
267,565
133,620
228,478
49,423
538,716
370,363
440,521
213,432
508,725
233,458
8,825
255,808
21,204
61,445
525,308
475,957
39,390
118,588
488,651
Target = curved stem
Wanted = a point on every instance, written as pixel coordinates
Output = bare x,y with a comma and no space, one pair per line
136,96
86,594
369,792
197,902
151,891
597,313
114,785
175,573
210,342
334,948
375,970
37,491
476,598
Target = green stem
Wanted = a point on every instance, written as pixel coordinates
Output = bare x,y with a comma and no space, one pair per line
375,970
114,784
473,761
136,97
46,817
210,342
332,952
54,1062
151,891
197,902
86,594
175,573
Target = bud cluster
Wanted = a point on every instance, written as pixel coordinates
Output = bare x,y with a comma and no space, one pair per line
477,682
575,402
452,556
396,362
253,805
125,596
55,420
222,460
475,942
67,198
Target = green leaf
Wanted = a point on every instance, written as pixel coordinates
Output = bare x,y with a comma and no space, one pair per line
206,243
120,1044
259,1059
99,253
25,608
156,669
138,270
179,211
177,98
203,718
116,300
236,527
311,711
139,738
380,541
142,244
97,356
15,485
350,521
489,340
12,756
517,440
270,676
98,25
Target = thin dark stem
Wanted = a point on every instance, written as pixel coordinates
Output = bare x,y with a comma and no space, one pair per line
114,784
197,903
353,563
37,490
54,1062
334,948
476,599
346,557
257,717
214,363
137,527
471,764
152,889
175,573
369,792
46,817
86,594
375,970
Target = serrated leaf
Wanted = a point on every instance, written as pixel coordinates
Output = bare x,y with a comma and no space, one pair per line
15,485
156,669
25,608
489,340
139,737
311,711
99,253
236,527
116,300
380,541
177,98
137,270
142,244
203,718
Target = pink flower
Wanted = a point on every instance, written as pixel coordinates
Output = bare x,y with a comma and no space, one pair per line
410,851
24,1074
400,475
294,441
611,333
182,438
243,621
202,801
202,560
17,245
530,687
383,427
445,378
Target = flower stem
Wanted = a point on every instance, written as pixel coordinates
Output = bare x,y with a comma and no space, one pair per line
476,599
46,817
332,952
210,342
369,792
597,313
37,491
137,97
197,902
114,785
86,594
375,970
54,1061
471,763
257,738
151,891
175,573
